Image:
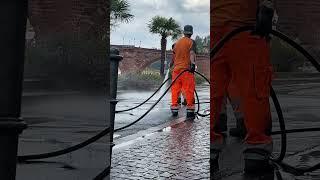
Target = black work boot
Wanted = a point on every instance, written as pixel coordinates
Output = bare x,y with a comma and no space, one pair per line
240,130
190,114
256,161
174,111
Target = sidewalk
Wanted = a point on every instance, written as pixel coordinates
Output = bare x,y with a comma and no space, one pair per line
83,164
57,121
179,151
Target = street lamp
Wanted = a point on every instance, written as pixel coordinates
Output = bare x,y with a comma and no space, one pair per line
13,19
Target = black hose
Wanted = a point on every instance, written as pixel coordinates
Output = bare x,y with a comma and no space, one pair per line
106,170
198,109
104,132
64,151
198,101
283,149
103,174
283,132
147,112
142,103
129,109
226,38
317,66
297,130
212,53
295,45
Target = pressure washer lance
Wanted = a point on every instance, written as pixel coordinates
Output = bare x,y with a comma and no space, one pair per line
218,46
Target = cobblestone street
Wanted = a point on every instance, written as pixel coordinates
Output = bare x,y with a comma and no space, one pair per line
171,149
180,151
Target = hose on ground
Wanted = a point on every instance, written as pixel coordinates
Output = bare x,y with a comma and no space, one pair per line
64,151
104,132
212,53
156,91
147,112
132,108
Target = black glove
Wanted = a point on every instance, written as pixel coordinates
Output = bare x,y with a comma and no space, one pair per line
264,19
192,67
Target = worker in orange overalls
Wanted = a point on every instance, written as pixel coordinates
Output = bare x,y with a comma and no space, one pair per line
181,93
242,69
184,53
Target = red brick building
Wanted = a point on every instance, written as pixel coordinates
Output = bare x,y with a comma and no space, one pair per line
73,18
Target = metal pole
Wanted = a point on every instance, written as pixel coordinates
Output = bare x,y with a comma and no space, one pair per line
13,18
115,58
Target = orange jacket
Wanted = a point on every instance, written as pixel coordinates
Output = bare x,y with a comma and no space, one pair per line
233,13
181,53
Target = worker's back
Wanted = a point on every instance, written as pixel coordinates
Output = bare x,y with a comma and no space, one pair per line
234,13
182,50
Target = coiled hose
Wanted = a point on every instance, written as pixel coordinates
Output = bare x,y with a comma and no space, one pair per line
99,135
218,46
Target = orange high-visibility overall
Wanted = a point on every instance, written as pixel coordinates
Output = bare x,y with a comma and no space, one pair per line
243,63
186,82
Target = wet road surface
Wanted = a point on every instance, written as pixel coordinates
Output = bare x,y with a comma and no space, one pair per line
180,151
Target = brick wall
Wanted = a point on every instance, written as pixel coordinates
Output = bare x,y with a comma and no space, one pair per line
73,18
137,59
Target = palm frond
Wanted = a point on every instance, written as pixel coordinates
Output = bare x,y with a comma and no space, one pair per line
165,27
120,11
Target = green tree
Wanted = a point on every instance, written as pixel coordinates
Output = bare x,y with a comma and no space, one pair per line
120,12
165,28
203,44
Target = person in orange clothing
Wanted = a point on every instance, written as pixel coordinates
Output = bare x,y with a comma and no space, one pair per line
242,69
181,93
184,53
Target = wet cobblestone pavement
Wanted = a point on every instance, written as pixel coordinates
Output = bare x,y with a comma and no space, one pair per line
180,151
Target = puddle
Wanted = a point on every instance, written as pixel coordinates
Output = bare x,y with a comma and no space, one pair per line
167,129
127,143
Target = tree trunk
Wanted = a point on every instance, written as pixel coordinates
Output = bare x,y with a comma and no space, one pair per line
163,54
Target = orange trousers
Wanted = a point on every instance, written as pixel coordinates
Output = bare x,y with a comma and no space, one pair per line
243,69
184,84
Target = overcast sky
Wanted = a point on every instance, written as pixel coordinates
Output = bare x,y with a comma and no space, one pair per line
194,12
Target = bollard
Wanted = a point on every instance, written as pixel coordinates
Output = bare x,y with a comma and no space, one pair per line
115,58
12,46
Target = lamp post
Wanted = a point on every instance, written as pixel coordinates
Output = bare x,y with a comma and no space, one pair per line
115,58
13,18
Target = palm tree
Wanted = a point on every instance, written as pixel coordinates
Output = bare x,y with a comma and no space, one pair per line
165,28
120,12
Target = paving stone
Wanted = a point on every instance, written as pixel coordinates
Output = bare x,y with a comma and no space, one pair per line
181,153
166,175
